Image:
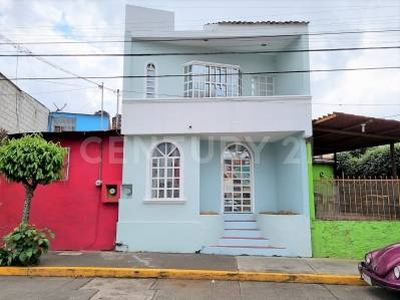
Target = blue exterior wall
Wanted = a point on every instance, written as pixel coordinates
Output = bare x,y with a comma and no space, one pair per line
291,169
285,84
293,83
83,122
210,176
169,226
196,220
275,165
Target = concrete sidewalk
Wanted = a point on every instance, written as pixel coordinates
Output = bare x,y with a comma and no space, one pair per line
192,266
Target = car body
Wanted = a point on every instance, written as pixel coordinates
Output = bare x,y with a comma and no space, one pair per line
381,267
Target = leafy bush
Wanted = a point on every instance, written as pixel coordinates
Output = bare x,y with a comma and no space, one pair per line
374,162
24,246
5,257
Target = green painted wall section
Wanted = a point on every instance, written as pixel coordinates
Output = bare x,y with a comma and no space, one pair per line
352,239
310,172
326,170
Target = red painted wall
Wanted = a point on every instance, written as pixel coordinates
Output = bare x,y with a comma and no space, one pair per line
82,215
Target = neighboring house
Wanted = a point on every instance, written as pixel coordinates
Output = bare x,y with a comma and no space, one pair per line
353,215
215,127
82,208
323,167
66,121
20,112
116,122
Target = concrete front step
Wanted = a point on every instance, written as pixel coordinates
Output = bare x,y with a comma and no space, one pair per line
260,251
240,225
239,217
248,233
242,237
243,242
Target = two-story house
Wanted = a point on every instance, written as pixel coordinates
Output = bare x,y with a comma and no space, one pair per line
215,124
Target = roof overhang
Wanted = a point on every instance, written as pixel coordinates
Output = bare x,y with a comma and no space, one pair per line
339,132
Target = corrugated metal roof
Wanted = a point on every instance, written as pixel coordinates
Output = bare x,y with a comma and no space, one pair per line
338,132
258,22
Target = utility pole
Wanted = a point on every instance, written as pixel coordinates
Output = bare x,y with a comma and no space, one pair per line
102,105
117,102
17,93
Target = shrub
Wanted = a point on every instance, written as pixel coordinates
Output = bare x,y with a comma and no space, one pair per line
374,162
24,246
5,257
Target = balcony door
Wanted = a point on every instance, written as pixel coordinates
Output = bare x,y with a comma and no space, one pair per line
207,79
237,181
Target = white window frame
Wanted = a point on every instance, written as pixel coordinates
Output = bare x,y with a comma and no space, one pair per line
217,80
165,200
262,85
152,80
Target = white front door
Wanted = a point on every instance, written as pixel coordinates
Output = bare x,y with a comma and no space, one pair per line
237,181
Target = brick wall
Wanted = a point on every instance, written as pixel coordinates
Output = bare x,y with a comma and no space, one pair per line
20,112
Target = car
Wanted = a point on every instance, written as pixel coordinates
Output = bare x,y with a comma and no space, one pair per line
381,267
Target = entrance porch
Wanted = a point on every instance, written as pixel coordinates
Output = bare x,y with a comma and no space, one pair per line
260,190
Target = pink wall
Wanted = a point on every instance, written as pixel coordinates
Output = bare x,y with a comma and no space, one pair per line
82,215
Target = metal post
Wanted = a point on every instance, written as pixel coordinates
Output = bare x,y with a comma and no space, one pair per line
335,165
393,160
102,105
117,102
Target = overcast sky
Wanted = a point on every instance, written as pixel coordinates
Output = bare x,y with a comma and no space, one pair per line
375,93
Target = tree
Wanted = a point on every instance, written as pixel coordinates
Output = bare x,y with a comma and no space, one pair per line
3,136
31,160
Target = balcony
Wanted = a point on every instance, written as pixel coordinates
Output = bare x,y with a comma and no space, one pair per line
217,116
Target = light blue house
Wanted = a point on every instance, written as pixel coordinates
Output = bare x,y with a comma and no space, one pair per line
215,124
66,121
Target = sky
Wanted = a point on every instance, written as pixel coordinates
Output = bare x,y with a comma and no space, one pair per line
97,26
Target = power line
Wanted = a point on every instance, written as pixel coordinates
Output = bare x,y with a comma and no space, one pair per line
52,92
220,38
40,58
198,53
198,75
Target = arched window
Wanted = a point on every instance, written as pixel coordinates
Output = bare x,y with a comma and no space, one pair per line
165,172
150,80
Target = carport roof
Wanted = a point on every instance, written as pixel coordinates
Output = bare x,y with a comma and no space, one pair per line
338,132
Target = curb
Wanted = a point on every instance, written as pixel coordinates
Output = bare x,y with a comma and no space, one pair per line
180,274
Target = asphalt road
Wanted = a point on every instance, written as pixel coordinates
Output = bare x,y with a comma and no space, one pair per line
152,289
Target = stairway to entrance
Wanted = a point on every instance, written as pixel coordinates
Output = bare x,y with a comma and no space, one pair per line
242,237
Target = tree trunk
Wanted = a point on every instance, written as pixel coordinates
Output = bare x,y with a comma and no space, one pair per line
27,204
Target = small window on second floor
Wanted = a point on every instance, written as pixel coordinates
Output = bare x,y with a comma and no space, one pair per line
262,85
63,124
150,80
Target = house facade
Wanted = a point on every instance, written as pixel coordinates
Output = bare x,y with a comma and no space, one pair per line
82,208
67,121
215,123
19,111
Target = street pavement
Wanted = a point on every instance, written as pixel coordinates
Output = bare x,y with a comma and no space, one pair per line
150,260
57,288
182,267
